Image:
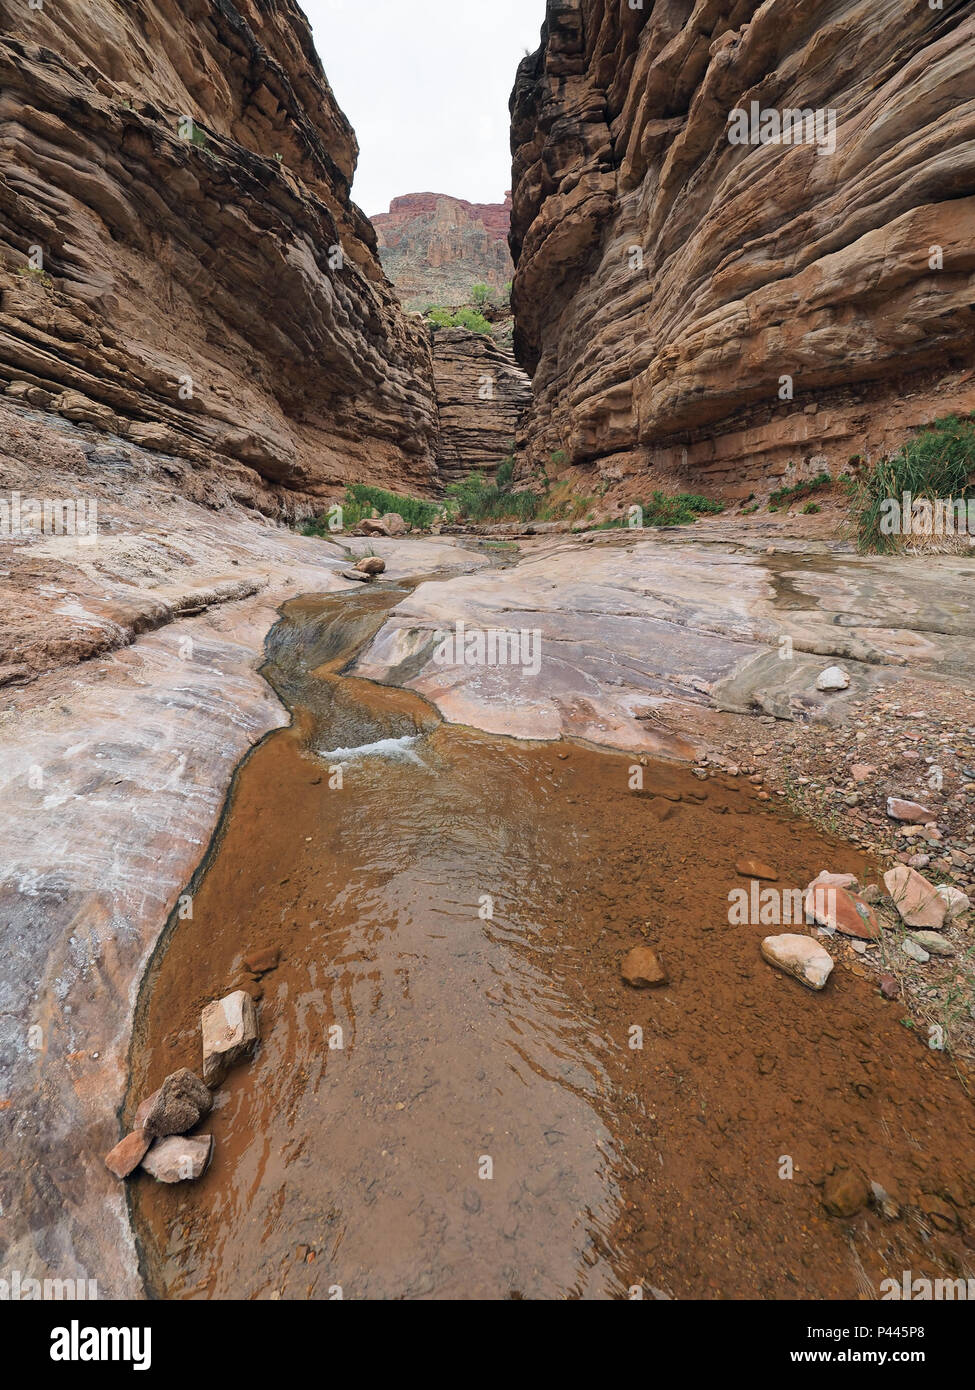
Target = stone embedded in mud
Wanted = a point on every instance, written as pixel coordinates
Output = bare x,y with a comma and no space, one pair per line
916,901
834,880
230,1034
833,678
643,969
799,956
889,987
957,902
910,811
128,1153
179,1158
845,1193
262,961
371,564
835,907
754,868
180,1103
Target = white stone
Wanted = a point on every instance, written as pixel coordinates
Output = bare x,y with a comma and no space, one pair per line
230,1033
833,678
799,956
958,902
179,1158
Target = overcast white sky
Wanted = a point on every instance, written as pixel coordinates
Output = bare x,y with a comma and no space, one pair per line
425,84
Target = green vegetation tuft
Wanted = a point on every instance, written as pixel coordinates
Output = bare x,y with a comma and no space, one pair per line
785,496
938,463
470,319
361,501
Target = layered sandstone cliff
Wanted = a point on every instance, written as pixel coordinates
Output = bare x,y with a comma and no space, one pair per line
673,288
434,248
482,395
180,259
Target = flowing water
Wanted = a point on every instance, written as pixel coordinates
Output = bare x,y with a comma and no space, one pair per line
447,1101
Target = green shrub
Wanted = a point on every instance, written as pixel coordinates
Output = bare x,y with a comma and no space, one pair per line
680,509
939,462
464,318
477,500
480,295
361,501
785,496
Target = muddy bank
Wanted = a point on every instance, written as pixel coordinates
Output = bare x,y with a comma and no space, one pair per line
451,914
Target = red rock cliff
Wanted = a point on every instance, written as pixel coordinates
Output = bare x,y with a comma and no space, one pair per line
673,286
434,248
182,170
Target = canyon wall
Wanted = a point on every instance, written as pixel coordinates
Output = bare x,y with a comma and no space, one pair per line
482,395
732,313
434,248
180,259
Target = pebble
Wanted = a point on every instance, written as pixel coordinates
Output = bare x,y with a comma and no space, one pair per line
643,969
914,951
799,956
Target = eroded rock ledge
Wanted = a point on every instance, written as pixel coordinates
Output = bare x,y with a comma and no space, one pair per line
191,296
758,262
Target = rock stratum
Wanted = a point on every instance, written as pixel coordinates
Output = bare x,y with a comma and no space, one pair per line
482,396
180,259
669,282
434,248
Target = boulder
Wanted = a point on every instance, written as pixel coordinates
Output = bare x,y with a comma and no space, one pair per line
371,526
799,956
179,1159
917,902
128,1153
180,1104
371,564
230,1033
643,969
395,525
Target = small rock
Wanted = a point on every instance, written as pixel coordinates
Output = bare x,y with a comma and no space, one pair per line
862,772
180,1103
871,894
799,956
264,960
889,987
933,942
755,868
910,811
914,951
957,902
357,576
230,1033
179,1159
833,906
371,564
916,901
833,678
128,1153
643,969
845,1193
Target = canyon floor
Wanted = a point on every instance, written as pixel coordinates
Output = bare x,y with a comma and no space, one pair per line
134,693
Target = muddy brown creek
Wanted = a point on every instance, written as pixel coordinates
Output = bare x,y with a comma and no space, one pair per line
455,1094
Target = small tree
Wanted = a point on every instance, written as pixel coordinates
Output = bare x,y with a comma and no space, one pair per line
480,295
